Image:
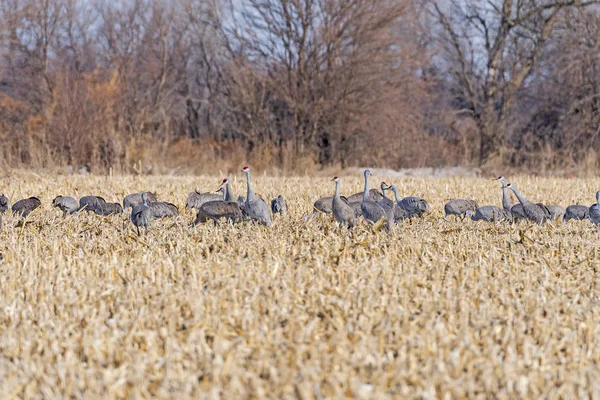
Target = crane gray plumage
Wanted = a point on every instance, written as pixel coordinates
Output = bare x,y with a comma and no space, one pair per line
255,207
106,209
414,206
140,214
594,211
324,205
371,210
133,199
90,203
25,207
218,209
577,212
278,205
372,195
490,214
459,207
4,205
537,213
196,199
556,211
66,204
342,212
388,205
163,209
516,210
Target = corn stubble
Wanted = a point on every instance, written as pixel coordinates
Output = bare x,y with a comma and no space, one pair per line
299,310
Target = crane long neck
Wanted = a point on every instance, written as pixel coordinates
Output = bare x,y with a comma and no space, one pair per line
598,197
228,196
250,193
506,203
384,193
366,190
521,198
396,195
336,195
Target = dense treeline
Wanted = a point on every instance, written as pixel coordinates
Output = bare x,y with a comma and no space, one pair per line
135,84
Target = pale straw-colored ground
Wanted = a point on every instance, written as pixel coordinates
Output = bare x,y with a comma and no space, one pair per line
433,310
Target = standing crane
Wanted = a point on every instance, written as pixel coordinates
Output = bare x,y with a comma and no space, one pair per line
371,210
537,213
140,214
255,207
342,212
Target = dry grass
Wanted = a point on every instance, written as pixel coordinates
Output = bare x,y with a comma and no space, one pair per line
434,310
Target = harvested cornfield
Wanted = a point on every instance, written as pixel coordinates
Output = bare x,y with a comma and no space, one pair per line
435,309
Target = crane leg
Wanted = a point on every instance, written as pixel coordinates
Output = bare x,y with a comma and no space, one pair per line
138,230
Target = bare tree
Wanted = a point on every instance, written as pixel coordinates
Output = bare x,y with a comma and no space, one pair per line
492,48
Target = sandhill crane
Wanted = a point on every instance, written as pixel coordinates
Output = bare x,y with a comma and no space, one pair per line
90,203
25,207
278,205
4,205
324,205
516,210
106,209
196,199
226,185
133,199
537,213
255,207
594,211
66,204
490,214
577,212
391,208
162,209
459,207
372,195
414,206
342,212
140,214
218,209
371,210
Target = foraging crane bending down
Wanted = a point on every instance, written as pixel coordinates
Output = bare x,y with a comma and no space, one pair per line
534,212
278,205
4,205
342,212
66,204
490,214
459,207
218,209
25,207
371,210
140,214
594,211
162,209
107,209
414,206
255,207
577,212
196,199
132,200
91,203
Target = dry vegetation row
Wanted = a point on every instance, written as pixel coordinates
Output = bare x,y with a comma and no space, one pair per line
433,310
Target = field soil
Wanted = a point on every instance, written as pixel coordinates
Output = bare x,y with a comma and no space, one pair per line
434,309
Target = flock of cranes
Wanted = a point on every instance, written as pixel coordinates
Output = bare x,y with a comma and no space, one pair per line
373,205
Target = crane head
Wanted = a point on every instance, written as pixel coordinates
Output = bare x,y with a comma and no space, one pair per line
500,178
509,186
246,168
335,178
384,186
